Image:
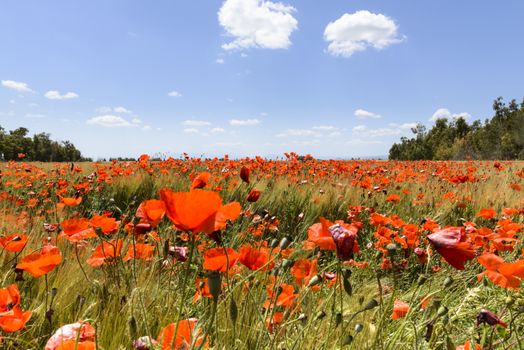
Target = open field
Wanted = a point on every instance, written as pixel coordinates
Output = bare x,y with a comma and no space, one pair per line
426,255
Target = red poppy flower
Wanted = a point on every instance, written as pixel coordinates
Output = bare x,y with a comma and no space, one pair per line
14,320
400,309
506,275
201,180
75,230
151,211
183,337
140,251
449,243
13,243
486,213
254,258
106,224
79,335
244,174
253,196
198,210
105,252
42,262
220,259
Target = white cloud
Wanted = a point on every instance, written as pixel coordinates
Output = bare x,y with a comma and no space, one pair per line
363,114
444,113
357,31
34,116
109,121
257,23
244,122
298,132
174,94
360,128
220,61
404,126
325,128
136,120
104,109
16,85
191,122
146,127
121,109
218,130
55,95
191,131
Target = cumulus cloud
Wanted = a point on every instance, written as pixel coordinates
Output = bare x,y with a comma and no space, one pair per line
218,130
174,94
191,122
121,109
444,113
191,131
357,31
109,121
244,122
55,95
363,114
16,85
257,23
298,132
220,61
325,128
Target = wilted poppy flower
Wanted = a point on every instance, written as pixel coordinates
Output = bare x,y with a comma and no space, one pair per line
506,275
244,174
253,196
254,258
201,180
490,318
105,252
183,338
345,240
144,343
42,262
80,335
198,210
400,309
76,230
449,243
13,243
151,212
220,259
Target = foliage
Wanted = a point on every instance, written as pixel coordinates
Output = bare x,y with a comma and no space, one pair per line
16,144
501,137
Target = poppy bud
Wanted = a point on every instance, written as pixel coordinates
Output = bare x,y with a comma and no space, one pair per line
448,282
442,311
429,331
302,317
360,300
348,339
490,318
244,174
338,319
358,328
133,328
314,281
287,263
320,315
509,301
347,286
214,281
274,243
391,248
421,280
370,305
285,242
233,310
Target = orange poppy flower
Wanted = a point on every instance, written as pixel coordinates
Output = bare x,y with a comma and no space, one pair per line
151,211
71,201
393,198
73,345
220,259
14,319
140,251
303,270
254,258
75,230
285,298
9,298
183,338
42,262
486,213
319,234
105,252
400,309
201,180
198,210
13,243
449,243
106,224
506,275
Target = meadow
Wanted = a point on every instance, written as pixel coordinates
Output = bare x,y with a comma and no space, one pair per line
296,253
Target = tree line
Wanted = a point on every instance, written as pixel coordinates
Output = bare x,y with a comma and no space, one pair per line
501,137
17,145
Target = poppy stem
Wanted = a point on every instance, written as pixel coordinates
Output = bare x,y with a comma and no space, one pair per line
79,263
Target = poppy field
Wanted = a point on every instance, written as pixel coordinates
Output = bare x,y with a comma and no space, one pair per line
295,253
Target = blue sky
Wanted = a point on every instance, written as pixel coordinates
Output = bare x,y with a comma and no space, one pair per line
334,78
